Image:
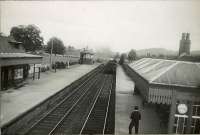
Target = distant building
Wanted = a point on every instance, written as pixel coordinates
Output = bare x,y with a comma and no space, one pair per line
14,63
184,48
86,57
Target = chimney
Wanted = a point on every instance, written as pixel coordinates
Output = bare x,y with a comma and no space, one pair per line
183,36
188,36
185,44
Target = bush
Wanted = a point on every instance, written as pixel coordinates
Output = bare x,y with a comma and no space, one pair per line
59,65
63,65
43,69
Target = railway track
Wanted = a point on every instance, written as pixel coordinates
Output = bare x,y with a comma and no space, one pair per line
97,118
47,123
85,112
74,121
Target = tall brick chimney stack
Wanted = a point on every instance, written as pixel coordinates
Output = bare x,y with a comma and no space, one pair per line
184,48
188,36
183,36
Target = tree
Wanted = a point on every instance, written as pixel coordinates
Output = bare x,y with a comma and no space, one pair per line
70,48
132,55
117,55
161,56
28,35
56,45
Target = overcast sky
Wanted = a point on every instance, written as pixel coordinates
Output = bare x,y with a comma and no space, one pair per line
120,25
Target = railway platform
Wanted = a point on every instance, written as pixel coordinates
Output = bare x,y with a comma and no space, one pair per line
125,102
15,102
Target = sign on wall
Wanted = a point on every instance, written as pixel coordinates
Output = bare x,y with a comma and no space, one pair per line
18,73
31,70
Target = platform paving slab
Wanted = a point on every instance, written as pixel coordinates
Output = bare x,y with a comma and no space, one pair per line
16,101
125,102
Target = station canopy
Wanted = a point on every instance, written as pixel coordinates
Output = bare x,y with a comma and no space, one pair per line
168,72
13,53
18,55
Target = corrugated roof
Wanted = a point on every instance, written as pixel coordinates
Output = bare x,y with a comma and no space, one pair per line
18,55
169,72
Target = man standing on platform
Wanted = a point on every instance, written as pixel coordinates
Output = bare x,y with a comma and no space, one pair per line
135,118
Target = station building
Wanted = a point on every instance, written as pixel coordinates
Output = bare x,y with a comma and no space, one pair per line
86,57
170,83
14,63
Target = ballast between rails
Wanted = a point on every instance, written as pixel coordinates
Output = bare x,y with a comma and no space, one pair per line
60,122
67,122
90,111
98,112
105,122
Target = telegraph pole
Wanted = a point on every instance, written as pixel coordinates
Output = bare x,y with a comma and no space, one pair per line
51,54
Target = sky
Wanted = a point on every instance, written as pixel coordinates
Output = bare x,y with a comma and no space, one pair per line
117,25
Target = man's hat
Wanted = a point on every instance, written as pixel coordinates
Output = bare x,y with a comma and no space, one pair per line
136,107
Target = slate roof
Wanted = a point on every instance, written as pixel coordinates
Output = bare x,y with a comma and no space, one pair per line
10,48
168,72
9,45
18,55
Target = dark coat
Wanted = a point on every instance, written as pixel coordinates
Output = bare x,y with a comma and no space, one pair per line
135,116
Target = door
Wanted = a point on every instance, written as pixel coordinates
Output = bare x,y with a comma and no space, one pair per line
180,124
195,126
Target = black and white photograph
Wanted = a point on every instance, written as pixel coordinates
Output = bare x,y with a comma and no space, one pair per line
116,67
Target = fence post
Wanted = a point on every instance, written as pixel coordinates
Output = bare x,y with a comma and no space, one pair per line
68,64
189,120
34,72
172,112
0,78
39,74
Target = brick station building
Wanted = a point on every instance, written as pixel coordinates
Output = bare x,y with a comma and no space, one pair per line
170,84
14,63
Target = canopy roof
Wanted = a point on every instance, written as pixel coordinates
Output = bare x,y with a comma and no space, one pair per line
18,55
168,72
9,45
12,53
